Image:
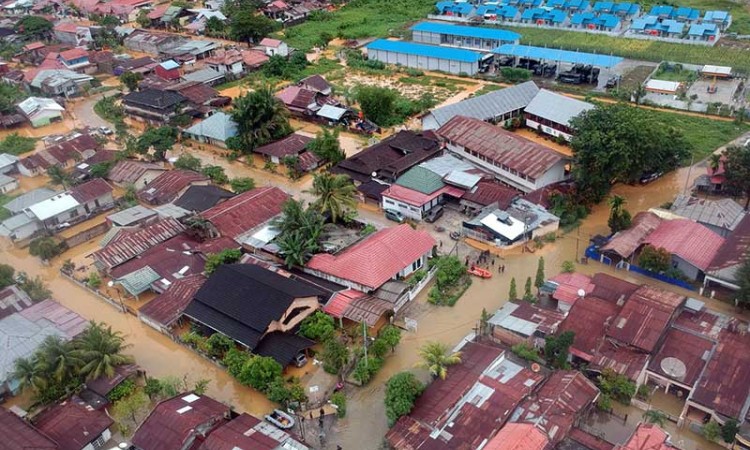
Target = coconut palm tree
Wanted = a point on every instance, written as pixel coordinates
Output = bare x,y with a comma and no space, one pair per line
714,161
100,348
58,359
261,118
655,416
336,195
619,218
436,358
29,374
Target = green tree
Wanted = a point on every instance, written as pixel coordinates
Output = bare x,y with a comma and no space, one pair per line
219,344
34,27
130,411
729,430
159,139
59,176
619,218
318,326
100,170
215,27
655,416
250,27
234,360
34,287
94,280
378,104
654,259
130,80
335,195
540,278
242,184
261,118
338,399
58,359
296,248
327,147
390,335
100,349
142,19
437,357
512,293
152,388
335,355
568,267
556,349
712,431
216,174
616,386
484,322
742,296
201,386
259,372
29,374
737,171
10,95
186,161
616,142
526,351
45,248
401,391
6,275
226,256
527,294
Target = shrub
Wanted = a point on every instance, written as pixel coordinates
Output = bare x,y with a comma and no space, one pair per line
568,267
259,372
527,352
318,326
122,390
334,356
46,248
339,399
401,391
94,280
234,360
367,368
654,259
219,344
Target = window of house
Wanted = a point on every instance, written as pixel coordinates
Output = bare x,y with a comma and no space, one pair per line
99,442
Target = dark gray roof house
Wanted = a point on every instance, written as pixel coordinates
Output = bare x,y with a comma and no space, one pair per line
201,198
261,305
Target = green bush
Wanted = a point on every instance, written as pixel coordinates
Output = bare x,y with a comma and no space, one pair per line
122,390
318,326
234,360
526,352
339,399
367,368
15,144
219,344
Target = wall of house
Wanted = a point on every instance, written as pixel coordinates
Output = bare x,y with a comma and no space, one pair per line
410,211
45,118
70,215
545,229
534,124
25,231
427,37
416,265
12,186
156,326
309,305
102,202
100,441
506,337
686,268
424,62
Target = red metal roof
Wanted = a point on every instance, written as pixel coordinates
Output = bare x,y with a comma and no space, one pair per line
376,259
227,57
296,97
246,211
613,289
588,319
168,307
128,171
416,198
174,422
131,244
13,300
67,27
626,242
623,360
90,190
18,434
734,249
554,408
254,58
487,192
268,42
518,436
645,316
292,145
568,286
689,348
357,306
33,46
689,240
723,386
647,436
589,441
167,186
501,146
246,432
547,320
74,53
73,424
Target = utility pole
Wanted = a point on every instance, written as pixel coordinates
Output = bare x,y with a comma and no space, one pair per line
364,335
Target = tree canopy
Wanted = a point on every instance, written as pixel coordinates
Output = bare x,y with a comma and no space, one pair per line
326,146
130,80
6,275
261,118
9,97
556,349
336,195
437,357
614,143
160,139
34,26
242,184
401,391
737,170
249,26
619,217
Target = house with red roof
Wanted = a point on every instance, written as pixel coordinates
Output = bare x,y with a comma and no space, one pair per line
724,267
358,307
274,46
388,254
518,436
170,185
94,195
74,425
294,146
647,436
180,422
248,432
164,311
76,59
17,433
72,34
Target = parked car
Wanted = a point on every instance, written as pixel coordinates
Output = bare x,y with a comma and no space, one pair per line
648,177
300,360
396,216
434,214
105,131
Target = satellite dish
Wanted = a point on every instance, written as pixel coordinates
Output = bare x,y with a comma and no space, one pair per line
581,293
374,174
673,368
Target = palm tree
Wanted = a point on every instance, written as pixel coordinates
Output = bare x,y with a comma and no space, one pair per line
436,358
261,118
295,247
336,194
714,161
100,348
57,359
638,94
29,374
655,416
616,203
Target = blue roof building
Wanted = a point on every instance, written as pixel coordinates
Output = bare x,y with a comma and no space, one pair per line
530,3
544,16
652,26
425,57
551,54
591,21
460,9
703,32
462,36
500,12
569,5
682,13
604,7
722,19
626,9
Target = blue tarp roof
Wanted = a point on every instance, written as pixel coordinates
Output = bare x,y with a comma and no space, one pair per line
432,51
474,32
552,54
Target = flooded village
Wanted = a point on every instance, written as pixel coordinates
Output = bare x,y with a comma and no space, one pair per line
223,227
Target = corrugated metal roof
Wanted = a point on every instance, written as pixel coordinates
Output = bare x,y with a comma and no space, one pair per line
556,107
689,240
131,215
724,213
134,243
139,281
551,54
421,180
464,31
220,126
430,51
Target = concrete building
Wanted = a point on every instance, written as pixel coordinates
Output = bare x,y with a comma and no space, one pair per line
41,111
476,38
427,57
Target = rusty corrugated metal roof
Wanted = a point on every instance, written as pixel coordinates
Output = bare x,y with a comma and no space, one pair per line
132,244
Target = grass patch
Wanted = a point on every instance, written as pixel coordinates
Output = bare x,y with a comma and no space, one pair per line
359,19
15,144
635,77
4,199
635,48
706,135
487,88
229,84
675,73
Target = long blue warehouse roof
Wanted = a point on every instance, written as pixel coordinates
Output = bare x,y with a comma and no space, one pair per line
551,54
431,51
473,32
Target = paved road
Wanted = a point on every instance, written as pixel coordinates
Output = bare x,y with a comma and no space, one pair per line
83,111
